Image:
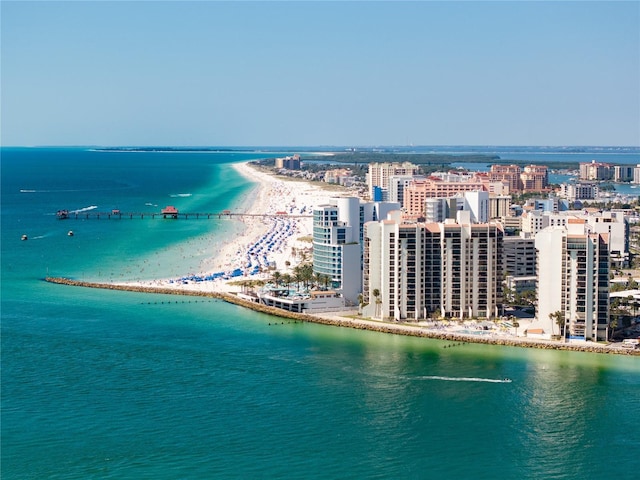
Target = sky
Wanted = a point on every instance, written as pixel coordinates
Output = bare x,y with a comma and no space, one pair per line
329,73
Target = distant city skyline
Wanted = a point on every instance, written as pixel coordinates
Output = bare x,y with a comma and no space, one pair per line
320,73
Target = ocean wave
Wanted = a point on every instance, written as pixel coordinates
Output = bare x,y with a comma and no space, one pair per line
174,195
24,190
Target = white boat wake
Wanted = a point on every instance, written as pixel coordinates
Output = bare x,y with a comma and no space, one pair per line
85,209
464,379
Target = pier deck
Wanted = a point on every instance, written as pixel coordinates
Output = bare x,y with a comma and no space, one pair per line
93,215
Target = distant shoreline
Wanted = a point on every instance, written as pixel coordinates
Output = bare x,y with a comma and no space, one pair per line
359,324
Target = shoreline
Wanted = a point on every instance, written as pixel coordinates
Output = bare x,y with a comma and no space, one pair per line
263,239
358,324
262,202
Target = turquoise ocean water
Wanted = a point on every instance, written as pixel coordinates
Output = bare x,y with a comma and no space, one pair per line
101,384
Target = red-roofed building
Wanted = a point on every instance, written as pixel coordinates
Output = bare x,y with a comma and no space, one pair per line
170,212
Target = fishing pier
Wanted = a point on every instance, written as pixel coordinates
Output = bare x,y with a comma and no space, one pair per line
169,212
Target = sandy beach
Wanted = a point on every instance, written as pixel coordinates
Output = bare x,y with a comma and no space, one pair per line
275,233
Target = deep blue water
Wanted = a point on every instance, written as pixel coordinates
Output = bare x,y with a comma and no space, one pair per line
102,384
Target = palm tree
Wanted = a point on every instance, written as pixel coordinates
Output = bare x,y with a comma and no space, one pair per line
276,277
376,293
515,323
558,318
287,279
613,324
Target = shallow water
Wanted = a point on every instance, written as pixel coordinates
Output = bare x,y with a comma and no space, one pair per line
105,384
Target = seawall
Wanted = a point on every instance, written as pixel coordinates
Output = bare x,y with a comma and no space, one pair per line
376,326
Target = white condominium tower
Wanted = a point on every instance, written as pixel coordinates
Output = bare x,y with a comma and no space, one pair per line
573,278
416,269
337,248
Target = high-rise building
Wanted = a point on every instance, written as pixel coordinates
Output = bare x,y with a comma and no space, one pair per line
412,270
596,171
623,173
507,173
397,184
338,229
379,174
535,178
573,281
418,191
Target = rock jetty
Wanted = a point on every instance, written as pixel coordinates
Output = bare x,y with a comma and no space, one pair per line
376,326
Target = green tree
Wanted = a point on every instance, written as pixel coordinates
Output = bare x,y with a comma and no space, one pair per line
376,294
514,322
558,318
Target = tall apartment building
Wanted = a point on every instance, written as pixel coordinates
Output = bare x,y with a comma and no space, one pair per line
418,191
623,173
579,191
519,263
419,268
477,203
336,249
379,174
397,184
338,229
534,178
499,206
519,256
636,174
573,278
507,173
290,163
596,171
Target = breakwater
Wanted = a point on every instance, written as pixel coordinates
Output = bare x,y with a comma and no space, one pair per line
360,324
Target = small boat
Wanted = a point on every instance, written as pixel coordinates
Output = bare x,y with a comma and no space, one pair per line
506,380
70,233
24,237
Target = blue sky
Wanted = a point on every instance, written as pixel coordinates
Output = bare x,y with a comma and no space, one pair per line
320,73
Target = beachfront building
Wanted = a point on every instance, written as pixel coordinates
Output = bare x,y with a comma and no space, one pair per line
636,174
379,174
315,301
289,163
413,270
338,230
573,279
519,263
